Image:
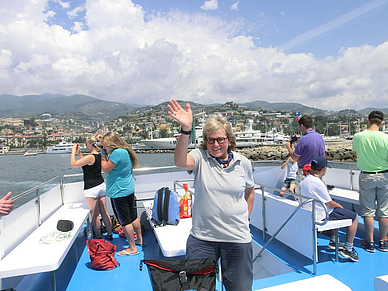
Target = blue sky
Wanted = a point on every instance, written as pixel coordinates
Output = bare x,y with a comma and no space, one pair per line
327,54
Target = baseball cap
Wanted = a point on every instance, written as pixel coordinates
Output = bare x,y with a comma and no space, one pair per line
376,114
319,163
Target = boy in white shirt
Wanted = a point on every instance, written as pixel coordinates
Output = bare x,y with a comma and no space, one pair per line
312,186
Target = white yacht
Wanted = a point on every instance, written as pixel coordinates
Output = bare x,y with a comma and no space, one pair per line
246,138
63,147
169,143
249,137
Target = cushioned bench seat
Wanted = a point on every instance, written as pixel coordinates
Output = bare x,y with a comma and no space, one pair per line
31,257
346,195
171,238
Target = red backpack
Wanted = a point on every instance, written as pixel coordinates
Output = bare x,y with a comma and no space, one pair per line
102,254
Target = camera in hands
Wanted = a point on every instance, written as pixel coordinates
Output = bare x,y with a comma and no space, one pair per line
293,139
97,144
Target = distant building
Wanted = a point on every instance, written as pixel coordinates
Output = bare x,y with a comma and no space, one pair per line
253,113
46,117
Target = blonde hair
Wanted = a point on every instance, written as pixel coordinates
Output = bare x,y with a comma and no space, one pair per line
215,123
113,140
92,139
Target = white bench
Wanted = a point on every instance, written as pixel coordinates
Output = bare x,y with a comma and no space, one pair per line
345,195
319,283
31,257
171,238
381,283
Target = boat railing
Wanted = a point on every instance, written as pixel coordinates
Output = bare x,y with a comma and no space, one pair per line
303,201
41,202
351,167
38,191
179,183
151,169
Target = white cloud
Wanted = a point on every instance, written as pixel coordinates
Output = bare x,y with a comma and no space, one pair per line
235,6
74,13
64,5
107,13
78,26
123,57
5,59
210,5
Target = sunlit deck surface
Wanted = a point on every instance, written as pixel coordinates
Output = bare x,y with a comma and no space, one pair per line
357,276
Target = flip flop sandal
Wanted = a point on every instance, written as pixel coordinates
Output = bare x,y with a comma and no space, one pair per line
125,253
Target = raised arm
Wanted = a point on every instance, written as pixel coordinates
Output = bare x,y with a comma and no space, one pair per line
185,119
291,152
82,161
285,163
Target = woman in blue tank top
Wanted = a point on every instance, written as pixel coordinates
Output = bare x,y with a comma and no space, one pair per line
120,187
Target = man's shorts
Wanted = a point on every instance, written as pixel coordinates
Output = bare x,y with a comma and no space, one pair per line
342,213
126,209
374,188
287,182
95,192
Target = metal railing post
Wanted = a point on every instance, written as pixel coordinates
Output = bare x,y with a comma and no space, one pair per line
351,177
62,190
314,240
263,212
38,204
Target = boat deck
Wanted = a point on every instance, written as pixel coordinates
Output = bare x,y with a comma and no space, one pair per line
357,276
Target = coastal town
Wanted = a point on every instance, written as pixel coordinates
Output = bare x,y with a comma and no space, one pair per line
38,134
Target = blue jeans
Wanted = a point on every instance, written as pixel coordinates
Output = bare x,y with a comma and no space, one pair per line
236,260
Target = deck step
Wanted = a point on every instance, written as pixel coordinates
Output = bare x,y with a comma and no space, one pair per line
319,283
381,283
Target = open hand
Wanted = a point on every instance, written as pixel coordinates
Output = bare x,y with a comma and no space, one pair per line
183,116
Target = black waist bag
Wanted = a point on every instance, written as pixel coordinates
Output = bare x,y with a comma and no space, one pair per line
179,275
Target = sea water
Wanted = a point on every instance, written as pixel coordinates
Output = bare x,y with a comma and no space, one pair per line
19,173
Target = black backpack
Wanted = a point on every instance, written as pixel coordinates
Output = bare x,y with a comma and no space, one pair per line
179,275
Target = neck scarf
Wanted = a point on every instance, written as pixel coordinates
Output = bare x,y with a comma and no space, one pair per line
223,162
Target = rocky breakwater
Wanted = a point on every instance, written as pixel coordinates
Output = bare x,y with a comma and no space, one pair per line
334,152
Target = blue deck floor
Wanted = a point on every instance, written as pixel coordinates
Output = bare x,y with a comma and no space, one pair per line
358,276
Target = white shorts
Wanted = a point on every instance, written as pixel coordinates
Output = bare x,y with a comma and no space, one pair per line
95,192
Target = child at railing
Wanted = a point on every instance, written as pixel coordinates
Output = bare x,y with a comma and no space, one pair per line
289,182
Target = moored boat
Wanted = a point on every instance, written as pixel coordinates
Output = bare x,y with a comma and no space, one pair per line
29,154
63,147
244,138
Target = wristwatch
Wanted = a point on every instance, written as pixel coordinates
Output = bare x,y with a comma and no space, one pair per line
185,132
